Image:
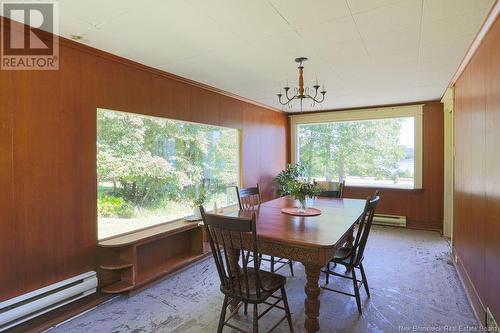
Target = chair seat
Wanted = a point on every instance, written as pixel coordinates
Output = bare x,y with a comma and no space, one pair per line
270,282
342,256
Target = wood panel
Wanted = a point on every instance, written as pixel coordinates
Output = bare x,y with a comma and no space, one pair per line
476,234
423,208
48,223
6,178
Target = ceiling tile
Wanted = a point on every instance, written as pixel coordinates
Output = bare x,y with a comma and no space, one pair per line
96,12
400,15
241,16
303,13
336,31
340,53
358,6
407,38
442,30
436,10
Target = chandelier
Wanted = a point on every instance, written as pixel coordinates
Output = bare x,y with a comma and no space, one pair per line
300,92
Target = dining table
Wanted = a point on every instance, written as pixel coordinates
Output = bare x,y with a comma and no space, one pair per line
310,240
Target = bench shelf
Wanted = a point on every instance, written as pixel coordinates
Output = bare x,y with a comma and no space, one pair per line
133,260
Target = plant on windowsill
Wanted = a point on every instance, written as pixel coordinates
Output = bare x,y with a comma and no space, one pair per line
199,200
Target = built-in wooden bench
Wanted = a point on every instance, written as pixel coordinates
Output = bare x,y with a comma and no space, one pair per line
132,260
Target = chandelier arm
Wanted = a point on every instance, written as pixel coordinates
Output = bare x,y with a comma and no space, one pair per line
315,94
287,101
318,100
284,103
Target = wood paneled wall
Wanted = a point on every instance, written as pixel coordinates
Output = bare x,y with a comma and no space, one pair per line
422,208
476,229
48,153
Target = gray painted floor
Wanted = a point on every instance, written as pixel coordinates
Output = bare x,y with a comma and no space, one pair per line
410,273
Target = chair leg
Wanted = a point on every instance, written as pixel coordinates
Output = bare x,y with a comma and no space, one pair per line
255,319
290,263
222,315
287,309
365,281
356,289
272,264
245,308
328,273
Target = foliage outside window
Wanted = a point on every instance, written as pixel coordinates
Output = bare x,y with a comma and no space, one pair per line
150,170
375,152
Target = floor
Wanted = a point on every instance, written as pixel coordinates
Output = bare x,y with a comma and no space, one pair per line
414,288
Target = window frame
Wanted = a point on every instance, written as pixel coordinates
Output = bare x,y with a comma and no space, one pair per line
229,208
414,111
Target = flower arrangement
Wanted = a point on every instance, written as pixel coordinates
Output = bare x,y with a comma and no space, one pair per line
287,177
291,182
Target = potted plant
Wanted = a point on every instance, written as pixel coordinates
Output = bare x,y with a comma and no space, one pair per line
291,182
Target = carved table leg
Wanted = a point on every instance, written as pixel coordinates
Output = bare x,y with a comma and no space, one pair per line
311,303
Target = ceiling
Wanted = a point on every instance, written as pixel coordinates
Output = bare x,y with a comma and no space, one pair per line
365,52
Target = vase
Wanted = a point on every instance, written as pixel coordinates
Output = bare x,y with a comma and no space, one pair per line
301,204
196,212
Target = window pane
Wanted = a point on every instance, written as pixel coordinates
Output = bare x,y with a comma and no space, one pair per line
150,170
376,152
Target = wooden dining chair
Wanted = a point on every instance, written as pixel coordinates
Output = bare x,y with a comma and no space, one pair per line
248,285
331,189
352,256
249,198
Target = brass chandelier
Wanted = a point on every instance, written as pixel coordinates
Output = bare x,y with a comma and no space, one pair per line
300,92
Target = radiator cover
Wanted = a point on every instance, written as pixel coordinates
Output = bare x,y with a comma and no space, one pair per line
27,306
391,220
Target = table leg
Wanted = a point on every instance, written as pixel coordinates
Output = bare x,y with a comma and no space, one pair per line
311,304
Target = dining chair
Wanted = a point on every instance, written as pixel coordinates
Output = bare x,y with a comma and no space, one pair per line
352,256
331,189
247,285
249,198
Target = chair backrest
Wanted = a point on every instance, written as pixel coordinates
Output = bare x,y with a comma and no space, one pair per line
331,189
225,235
249,197
365,224
341,188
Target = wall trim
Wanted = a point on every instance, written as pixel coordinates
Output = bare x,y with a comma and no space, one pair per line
488,22
449,162
472,295
113,57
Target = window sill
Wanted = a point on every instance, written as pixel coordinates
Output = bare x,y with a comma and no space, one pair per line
161,227
385,188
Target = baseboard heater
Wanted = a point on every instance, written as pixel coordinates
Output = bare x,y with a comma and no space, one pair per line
27,306
391,220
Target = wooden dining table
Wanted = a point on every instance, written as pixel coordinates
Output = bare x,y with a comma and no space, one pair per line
309,240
